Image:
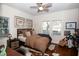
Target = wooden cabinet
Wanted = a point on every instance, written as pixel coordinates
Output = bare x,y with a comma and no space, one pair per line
13,44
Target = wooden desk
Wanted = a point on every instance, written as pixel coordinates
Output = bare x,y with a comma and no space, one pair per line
11,52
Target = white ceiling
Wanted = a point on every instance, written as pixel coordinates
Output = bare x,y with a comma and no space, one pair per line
55,7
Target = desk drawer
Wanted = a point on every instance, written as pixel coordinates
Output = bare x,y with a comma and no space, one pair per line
15,44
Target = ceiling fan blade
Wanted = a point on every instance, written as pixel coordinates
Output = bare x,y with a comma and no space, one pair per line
33,7
48,5
39,4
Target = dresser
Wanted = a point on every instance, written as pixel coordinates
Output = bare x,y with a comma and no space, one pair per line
13,43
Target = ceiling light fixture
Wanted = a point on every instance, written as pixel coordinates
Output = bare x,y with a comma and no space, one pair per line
41,8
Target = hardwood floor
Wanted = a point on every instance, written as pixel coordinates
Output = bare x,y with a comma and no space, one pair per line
63,51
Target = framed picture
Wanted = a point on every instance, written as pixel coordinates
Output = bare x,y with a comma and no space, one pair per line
71,25
66,33
19,21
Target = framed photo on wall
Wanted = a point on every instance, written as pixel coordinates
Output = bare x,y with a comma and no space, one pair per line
66,33
19,21
71,25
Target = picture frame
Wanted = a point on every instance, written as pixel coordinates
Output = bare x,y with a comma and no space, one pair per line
66,33
71,25
19,21
4,26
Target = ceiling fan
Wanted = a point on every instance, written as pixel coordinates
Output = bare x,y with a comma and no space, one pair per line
42,7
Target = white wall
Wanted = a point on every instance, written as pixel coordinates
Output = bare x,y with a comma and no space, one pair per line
11,12
66,16
0,9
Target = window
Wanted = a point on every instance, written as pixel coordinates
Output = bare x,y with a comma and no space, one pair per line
45,27
56,27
